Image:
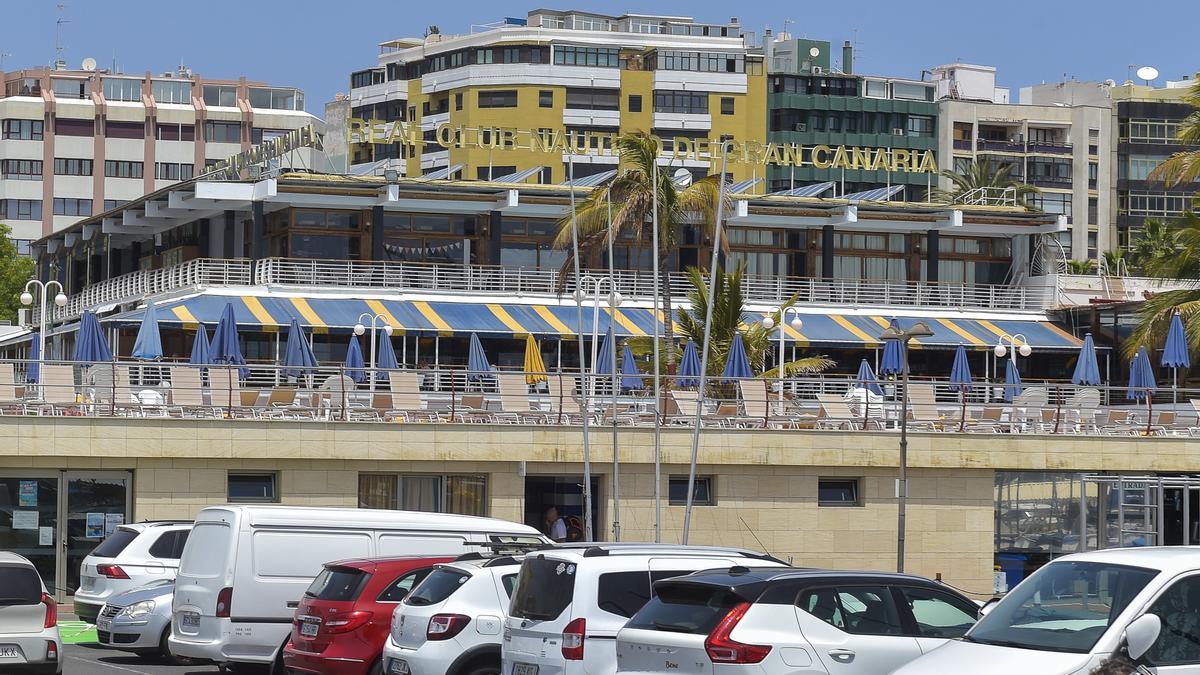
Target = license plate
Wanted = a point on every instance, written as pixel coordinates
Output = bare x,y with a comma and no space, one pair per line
524,669
9,653
103,624
309,628
398,667
190,620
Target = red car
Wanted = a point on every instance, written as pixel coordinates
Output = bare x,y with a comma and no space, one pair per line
343,619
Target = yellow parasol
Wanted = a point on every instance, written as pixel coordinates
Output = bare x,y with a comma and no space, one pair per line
534,367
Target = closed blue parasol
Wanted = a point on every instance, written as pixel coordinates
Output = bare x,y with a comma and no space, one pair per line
689,367
737,364
960,379
604,358
893,355
34,371
1087,369
1176,354
477,360
354,360
225,348
1141,377
298,358
1012,381
631,377
866,378
90,344
148,345
385,356
200,354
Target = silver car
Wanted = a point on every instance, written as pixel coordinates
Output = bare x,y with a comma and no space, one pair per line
139,621
29,640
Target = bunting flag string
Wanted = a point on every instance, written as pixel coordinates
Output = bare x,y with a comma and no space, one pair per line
409,251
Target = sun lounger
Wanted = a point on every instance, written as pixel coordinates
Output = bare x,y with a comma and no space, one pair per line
835,413
57,389
407,406
514,399
922,407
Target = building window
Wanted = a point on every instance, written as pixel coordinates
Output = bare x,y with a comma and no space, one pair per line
64,166
838,492
1093,211
635,103
463,494
253,487
114,168
131,130
593,99
122,89
546,98
223,95
70,127
21,169
726,105
28,86
22,130
175,132
704,62
21,209
259,135
276,99
64,88
1052,202
876,89
110,204
223,132
502,98
920,126
172,171
67,206
458,101
167,91
687,102
603,57
702,492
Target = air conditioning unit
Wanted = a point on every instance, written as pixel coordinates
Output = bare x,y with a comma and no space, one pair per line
801,126
818,70
24,316
897,131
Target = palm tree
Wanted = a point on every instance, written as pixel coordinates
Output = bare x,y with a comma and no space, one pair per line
632,205
1155,315
1184,167
1081,266
728,312
1156,240
983,174
1116,262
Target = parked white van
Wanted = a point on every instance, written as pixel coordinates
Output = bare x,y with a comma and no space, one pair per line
1078,610
245,568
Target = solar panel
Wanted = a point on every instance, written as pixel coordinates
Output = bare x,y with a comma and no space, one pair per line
592,180
741,186
444,173
516,177
882,194
813,190
368,169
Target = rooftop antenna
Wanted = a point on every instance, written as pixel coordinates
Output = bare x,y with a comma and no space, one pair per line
58,26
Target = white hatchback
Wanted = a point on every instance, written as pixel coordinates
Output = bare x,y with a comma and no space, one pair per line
29,641
133,556
451,623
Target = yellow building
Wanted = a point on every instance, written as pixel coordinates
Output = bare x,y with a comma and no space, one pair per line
514,97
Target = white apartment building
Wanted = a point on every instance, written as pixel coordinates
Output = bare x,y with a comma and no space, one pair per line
1058,144
75,143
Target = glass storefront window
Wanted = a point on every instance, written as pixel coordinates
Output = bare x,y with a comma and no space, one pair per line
326,246
28,515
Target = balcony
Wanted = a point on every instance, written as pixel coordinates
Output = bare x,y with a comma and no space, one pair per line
1049,148
1051,181
392,277
963,144
1000,146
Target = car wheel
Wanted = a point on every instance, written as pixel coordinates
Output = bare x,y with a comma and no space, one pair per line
164,651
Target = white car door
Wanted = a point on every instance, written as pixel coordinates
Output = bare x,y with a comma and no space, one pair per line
1177,650
855,629
939,616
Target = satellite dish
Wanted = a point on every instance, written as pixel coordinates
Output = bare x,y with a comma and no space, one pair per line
1148,73
1110,82
814,52
683,177
89,64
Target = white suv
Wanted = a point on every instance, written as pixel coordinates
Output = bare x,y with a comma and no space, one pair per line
450,624
570,601
29,641
131,557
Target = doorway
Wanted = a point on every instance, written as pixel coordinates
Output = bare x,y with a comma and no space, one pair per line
1140,511
565,493
56,518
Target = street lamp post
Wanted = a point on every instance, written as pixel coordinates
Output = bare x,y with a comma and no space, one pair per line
360,328
796,324
919,330
1017,344
60,300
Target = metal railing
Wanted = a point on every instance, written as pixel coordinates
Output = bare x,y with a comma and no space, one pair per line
137,389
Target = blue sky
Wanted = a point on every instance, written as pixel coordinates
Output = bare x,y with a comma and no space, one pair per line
302,43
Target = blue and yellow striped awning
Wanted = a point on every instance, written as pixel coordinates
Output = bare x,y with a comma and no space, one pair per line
507,319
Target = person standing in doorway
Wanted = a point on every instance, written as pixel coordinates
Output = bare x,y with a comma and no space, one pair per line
556,525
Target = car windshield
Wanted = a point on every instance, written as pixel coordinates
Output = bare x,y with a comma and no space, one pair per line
337,583
439,585
1063,607
19,585
684,608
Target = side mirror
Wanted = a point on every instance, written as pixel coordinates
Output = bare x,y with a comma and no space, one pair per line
988,607
1141,634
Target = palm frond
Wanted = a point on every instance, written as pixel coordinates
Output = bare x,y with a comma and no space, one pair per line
1155,318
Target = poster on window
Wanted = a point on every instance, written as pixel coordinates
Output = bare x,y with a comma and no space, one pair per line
27,493
24,520
112,521
93,527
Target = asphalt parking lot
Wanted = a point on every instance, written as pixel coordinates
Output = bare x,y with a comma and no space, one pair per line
88,659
